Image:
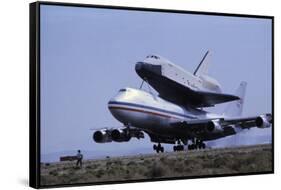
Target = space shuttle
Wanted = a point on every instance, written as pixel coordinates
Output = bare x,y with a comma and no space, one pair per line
180,86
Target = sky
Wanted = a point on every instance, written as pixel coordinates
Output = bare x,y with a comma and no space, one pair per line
88,54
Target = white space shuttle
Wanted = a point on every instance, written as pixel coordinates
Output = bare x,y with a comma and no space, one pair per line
177,85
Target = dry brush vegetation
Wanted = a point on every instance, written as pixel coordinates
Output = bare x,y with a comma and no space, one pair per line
179,164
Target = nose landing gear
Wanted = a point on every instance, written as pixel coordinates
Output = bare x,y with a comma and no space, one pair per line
158,148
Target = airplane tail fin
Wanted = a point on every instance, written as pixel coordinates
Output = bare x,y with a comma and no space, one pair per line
235,108
202,68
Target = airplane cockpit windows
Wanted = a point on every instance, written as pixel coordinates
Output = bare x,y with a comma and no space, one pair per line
122,90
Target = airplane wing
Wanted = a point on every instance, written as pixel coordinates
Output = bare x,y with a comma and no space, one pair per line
204,129
209,129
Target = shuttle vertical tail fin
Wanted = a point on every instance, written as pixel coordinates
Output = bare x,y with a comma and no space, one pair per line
235,108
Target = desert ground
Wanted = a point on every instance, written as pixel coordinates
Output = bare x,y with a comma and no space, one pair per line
246,159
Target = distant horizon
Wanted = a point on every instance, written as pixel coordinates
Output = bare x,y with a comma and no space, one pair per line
88,54
91,154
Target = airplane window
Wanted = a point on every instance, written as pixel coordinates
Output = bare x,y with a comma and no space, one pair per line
122,90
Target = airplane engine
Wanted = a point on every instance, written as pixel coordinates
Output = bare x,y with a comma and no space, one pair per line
102,136
263,121
214,127
120,135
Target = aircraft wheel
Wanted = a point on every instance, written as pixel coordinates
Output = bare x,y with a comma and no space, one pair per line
203,145
193,146
181,147
158,148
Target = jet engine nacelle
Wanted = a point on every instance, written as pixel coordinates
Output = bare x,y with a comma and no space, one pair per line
263,121
102,136
214,127
120,135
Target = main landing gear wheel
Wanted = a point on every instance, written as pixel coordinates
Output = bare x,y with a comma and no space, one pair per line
158,148
198,144
202,146
178,148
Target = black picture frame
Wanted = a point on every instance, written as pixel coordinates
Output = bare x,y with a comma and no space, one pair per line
34,91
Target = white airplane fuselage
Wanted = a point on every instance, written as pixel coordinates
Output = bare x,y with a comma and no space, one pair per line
134,107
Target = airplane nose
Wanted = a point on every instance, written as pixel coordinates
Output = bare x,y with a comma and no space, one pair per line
111,102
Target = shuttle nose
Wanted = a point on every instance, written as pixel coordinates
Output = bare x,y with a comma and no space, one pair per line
143,69
139,66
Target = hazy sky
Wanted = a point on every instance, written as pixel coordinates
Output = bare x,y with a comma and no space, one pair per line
88,54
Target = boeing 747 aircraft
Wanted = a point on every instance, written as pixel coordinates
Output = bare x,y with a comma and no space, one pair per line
177,121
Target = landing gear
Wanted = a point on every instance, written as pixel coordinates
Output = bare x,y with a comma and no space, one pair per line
202,145
178,147
158,148
196,144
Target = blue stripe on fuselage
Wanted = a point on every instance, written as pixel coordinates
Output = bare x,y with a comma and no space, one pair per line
151,108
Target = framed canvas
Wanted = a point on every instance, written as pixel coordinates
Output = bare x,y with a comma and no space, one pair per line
126,94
